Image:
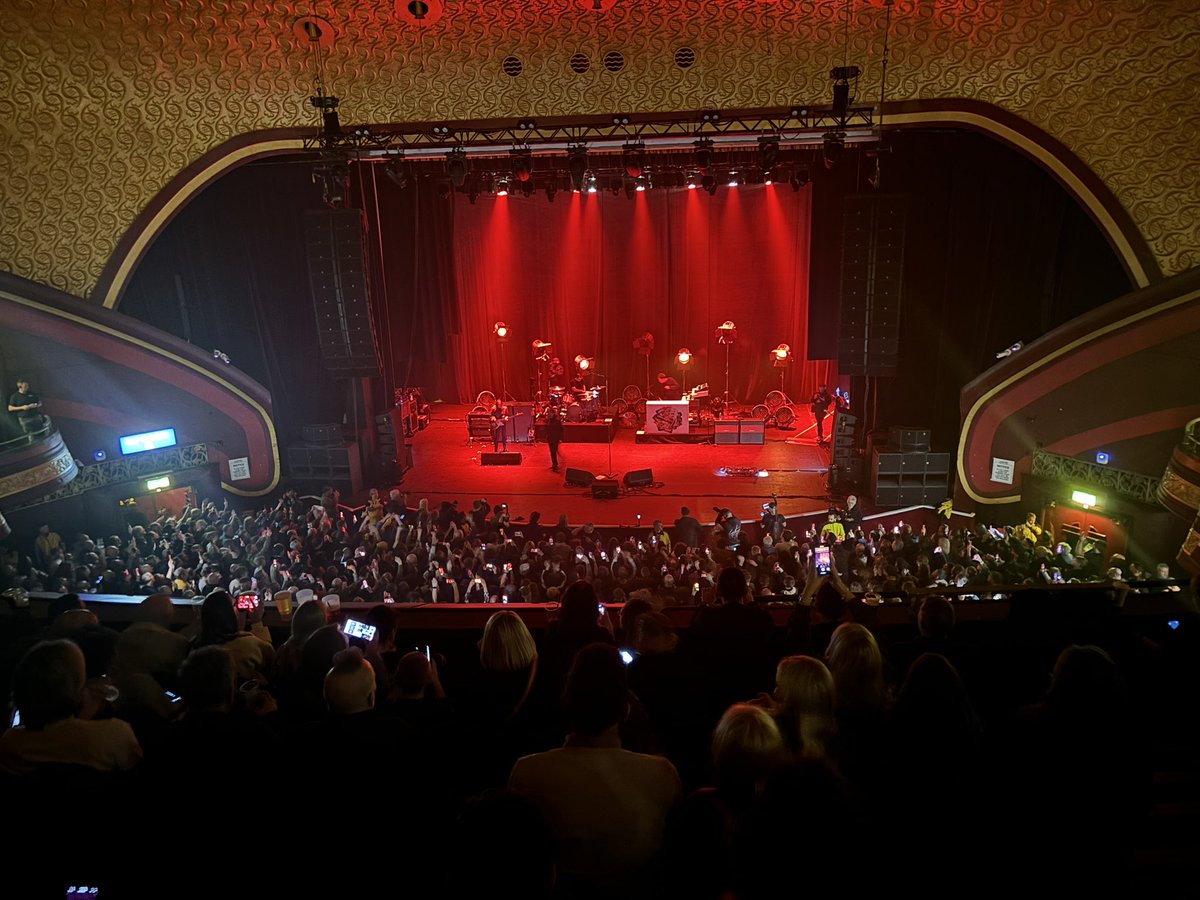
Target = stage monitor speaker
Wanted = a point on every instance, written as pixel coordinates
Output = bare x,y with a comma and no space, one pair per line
579,477
338,281
605,488
322,434
872,279
499,458
639,478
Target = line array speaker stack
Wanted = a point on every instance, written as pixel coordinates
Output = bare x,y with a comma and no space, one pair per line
872,277
337,277
847,463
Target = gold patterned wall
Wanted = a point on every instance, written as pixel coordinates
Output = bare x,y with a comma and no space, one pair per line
102,102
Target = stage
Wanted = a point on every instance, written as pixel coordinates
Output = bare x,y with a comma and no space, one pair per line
446,466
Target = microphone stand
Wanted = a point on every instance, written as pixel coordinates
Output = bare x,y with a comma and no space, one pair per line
607,426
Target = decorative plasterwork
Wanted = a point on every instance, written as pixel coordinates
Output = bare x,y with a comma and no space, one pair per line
102,103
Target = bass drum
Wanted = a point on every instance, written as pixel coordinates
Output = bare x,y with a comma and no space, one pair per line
574,413
632,394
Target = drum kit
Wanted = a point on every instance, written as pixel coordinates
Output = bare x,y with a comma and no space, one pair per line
574,405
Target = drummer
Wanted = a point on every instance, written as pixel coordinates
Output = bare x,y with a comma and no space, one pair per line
668,387
579,385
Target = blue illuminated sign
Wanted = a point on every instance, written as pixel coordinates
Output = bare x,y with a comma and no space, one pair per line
147,440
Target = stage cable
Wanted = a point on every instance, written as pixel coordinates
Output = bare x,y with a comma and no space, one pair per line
389,373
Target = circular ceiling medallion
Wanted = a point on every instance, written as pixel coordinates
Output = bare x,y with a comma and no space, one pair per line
314,28
419,12
512,66
685,57
614,61
580,63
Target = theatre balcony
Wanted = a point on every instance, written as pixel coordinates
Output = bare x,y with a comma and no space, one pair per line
33,465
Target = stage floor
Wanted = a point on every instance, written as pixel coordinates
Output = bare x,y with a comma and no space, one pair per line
446,467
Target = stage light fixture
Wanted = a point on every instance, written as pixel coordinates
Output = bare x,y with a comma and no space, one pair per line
500,330
522,163
397,170
472,188
768,152
591,184
684,357
526,125
703,150
799,112
500,187
726,332
734,179
526,188
620,119
709,183
551,188
832,145
711,116
583,363
629,188
577,163
614,186
641,184
693,181
442,131
799,179
456,166
781,356
633,156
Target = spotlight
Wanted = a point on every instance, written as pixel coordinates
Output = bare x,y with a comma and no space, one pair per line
397,170
500,187
799,112
633,156
726,332
442,131
526,125
734,179
768,152
693,181
781,356
522,163
710,115
582,363
591,184
704,148
684,357
620,120
641,184
832,145
500,330
456,166
577,162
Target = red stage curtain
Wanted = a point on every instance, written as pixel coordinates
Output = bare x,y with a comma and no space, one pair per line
591,272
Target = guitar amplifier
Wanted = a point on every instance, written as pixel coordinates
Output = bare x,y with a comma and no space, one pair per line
479,427
726,431
753,431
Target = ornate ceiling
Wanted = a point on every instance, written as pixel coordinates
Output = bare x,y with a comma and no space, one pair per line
101,103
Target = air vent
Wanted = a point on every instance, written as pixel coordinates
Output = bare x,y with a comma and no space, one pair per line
512,66
614,61
580,63
685,57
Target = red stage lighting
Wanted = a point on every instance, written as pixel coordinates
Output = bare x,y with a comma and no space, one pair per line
683,357
501,332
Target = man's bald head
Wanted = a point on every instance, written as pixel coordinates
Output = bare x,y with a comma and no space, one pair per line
158,610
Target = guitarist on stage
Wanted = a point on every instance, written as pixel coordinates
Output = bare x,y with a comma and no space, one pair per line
499,417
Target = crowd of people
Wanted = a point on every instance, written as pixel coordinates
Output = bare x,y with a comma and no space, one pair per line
389,551
610,755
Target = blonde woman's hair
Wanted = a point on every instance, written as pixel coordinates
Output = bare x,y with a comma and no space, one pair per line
857,668
804,694
746,747
507,645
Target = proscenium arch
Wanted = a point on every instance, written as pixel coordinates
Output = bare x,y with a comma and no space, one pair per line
1050,154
